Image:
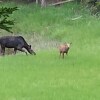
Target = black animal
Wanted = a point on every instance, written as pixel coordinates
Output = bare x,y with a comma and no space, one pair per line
16,42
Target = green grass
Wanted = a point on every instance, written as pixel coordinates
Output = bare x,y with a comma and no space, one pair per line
46,76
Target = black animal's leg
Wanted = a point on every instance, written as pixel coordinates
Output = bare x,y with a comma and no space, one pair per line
20,49
15,50
24,51
3,50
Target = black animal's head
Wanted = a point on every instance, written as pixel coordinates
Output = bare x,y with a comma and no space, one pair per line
30,50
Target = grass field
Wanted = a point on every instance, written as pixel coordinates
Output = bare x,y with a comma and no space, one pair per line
46,76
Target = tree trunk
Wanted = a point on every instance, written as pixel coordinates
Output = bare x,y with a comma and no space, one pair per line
43,3
37,1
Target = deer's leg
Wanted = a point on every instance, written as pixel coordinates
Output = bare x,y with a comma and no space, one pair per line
63,55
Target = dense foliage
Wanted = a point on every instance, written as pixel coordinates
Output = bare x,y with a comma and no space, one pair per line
5,23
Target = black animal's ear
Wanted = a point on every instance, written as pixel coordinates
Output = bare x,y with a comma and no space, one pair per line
30,46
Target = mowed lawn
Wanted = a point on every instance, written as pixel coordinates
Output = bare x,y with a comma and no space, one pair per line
48,77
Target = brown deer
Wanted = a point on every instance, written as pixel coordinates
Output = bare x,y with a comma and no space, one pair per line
64,48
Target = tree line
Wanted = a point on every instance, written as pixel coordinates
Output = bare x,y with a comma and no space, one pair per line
5,12
49,0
